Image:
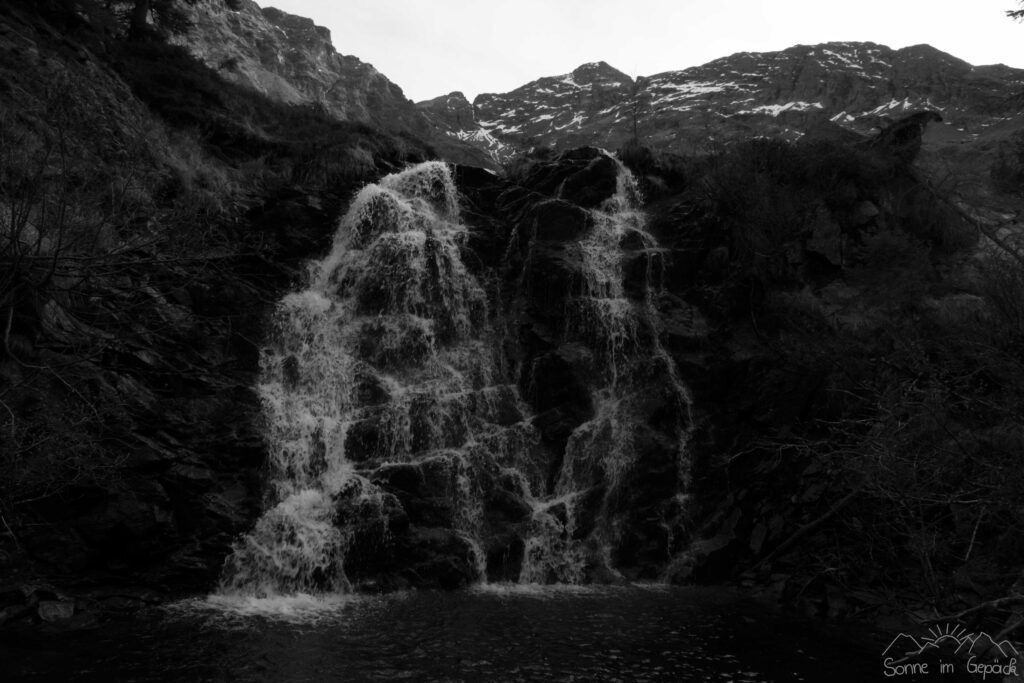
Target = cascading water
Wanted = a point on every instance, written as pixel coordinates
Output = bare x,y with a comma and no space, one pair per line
394,421
631,362
385,358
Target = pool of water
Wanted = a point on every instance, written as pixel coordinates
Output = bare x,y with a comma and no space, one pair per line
633,633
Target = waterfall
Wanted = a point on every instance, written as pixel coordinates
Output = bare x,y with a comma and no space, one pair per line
386,357
624,335
386,373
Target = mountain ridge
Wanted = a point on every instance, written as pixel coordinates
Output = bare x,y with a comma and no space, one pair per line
292,59
855,85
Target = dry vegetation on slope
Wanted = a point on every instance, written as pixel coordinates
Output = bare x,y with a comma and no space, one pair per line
149,213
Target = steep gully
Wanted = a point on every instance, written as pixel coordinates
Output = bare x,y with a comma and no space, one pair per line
403,427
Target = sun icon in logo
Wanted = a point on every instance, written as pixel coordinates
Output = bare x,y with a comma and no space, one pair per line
950,634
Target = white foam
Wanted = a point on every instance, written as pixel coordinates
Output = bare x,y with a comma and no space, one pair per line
300,607
392,334
602,451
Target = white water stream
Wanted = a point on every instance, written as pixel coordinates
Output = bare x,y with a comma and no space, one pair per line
624,334
389,355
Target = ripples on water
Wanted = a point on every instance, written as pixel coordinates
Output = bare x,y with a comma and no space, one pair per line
493,633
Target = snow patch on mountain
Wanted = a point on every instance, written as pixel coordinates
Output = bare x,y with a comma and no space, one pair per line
776,109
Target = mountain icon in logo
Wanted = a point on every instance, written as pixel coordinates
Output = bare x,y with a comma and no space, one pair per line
903,645
954,640
982,645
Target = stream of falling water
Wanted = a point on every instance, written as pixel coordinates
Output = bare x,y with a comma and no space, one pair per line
389,357
386,357
625,336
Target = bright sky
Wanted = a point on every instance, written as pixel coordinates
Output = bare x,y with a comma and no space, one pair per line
432,47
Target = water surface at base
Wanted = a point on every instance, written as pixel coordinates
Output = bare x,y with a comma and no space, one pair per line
496,633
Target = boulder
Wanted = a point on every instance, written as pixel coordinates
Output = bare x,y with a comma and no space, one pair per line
55,610
436,557
584,176
558,220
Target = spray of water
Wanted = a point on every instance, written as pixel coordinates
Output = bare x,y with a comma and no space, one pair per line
600,454
389,358
385,357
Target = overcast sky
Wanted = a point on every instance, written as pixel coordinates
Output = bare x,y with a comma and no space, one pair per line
432,47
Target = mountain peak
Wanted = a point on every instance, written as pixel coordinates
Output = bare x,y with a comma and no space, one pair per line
926,52
451,113
456,97
598,71
294,22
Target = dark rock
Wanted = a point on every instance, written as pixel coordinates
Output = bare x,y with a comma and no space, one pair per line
362,440
902,139
438,558
14,612
505,516
684,326
424,489
55,610
757,537
705,561
505,558
585,176
552,276
299,226
371,390
559,220
826,239
452,111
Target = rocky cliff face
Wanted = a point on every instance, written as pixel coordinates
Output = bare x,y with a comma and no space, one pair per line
130,443
852,85
820,88
557,106
454,117
291,59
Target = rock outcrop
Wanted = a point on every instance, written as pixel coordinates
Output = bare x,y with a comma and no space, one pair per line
291,59
130,445
558,106
453,116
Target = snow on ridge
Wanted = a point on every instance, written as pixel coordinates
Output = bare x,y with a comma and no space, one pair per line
903,105
495,148
776,109
891,105
844,59
577,120
672,92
